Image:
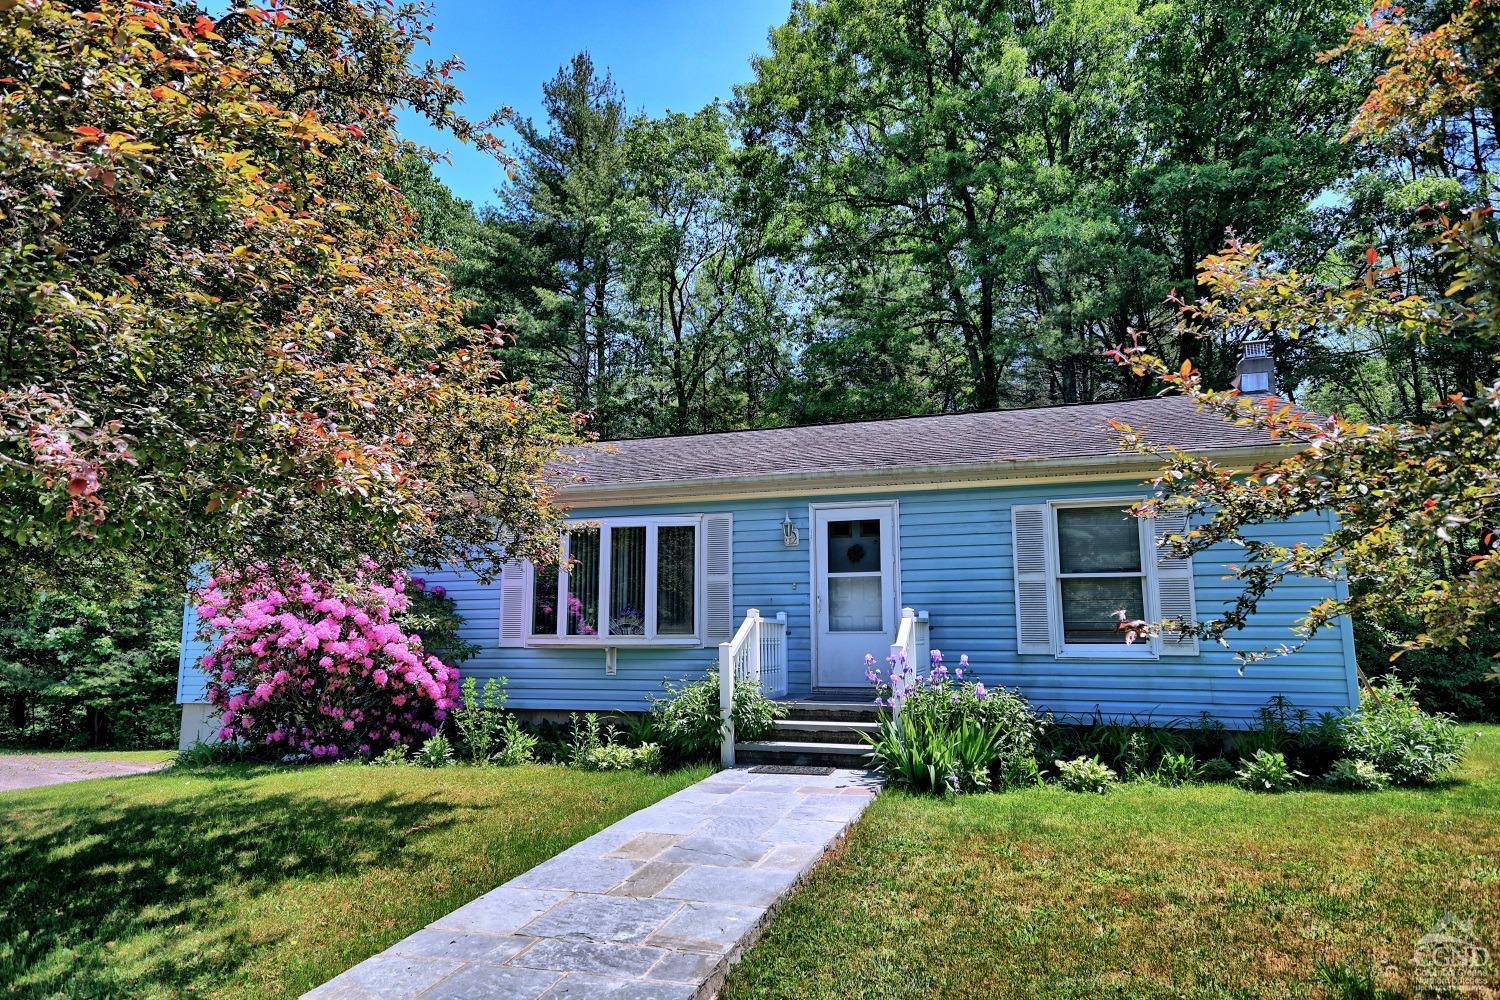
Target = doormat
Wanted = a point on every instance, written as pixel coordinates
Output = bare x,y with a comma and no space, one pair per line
789,769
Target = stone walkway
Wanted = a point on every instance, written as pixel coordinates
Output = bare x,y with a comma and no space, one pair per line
19,771
654,907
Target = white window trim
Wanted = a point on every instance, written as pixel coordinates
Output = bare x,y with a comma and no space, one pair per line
1142,649
603,639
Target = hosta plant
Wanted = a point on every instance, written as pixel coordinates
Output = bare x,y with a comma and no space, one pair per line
1085,774
618,757
1267,771
1357,775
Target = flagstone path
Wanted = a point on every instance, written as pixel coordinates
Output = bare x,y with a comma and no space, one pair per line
655,907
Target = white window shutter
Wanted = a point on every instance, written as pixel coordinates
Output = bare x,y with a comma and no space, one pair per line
1174,587
1032,555
718,578
515,605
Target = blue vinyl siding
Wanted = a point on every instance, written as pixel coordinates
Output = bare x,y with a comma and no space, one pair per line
955,563
192,683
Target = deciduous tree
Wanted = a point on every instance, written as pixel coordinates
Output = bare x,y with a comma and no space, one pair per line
223,339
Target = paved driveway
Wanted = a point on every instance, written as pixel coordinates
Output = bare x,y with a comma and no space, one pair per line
33,770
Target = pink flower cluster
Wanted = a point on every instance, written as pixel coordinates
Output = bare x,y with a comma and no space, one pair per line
301,665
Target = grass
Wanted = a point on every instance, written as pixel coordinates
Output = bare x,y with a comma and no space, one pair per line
129,756
242,881
1201,891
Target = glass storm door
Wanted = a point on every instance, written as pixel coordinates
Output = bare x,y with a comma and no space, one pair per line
854,591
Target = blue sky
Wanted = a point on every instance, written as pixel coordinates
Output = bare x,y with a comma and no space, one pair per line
667,54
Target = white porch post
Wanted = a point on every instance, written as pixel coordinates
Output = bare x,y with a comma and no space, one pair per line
726,704
754,615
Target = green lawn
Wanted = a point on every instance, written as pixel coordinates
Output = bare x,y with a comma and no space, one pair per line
1205,891
263,882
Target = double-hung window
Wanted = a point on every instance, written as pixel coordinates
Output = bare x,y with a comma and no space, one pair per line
1101,572
1080,565
621,581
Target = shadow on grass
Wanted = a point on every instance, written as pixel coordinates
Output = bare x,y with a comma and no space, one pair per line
109,895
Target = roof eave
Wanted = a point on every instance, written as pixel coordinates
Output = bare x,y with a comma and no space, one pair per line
907,477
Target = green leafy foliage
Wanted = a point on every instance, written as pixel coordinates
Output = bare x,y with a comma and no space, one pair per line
84,671
1392,733
480,717
1216,769
618,757
437,751
688,722
1458,681
1266,771
1357,775
924,753
587,734
986,192
1176,769
1085,774
202,754
517,746
396,756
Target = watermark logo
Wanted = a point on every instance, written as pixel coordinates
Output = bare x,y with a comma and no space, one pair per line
1450,958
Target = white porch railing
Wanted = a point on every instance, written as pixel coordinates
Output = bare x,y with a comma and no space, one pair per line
912,639
913,643
756,655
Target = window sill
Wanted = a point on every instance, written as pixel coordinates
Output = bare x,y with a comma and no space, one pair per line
618,641
1108,653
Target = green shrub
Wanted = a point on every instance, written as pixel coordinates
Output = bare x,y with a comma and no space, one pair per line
638,729
687,716
1085,774
396,756
586,735
517,746
1391,732
1216,769
1357,775
202,754
436,752
618,757
479,717
1176,769
1266,771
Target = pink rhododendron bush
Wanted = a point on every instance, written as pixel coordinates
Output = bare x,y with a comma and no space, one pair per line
301,665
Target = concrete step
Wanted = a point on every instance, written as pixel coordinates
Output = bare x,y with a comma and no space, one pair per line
823,730
801,752
832,711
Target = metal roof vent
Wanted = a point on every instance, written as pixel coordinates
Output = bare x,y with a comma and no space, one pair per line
1256,372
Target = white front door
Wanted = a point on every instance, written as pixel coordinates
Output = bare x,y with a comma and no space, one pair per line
854,590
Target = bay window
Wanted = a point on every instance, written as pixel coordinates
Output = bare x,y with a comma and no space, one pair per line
620,581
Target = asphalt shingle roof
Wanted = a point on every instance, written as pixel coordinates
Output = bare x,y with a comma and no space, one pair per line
1031,435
